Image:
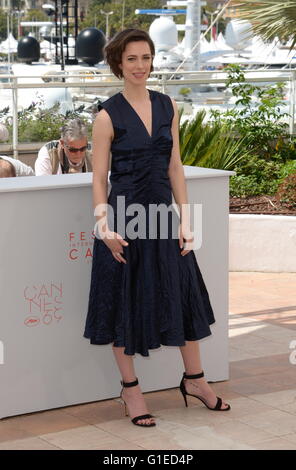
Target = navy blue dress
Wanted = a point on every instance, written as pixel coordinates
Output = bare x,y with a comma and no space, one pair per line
158,297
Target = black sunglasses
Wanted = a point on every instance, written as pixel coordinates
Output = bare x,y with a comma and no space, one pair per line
75,150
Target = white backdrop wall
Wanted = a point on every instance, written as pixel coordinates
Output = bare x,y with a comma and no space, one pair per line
45,263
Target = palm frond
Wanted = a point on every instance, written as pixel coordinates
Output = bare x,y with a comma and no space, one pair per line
210,145
270,18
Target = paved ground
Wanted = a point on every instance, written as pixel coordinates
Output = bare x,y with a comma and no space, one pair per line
261,390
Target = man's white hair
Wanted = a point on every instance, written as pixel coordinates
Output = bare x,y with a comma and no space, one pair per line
75,129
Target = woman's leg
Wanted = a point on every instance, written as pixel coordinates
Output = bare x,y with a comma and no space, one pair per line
192,364
131,395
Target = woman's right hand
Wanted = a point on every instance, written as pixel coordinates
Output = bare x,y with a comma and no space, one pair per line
115,243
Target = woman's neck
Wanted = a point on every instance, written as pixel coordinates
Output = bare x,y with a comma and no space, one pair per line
133,93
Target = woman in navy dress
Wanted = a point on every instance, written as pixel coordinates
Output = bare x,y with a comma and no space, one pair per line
146,290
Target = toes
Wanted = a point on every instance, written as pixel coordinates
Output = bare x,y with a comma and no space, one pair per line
145,421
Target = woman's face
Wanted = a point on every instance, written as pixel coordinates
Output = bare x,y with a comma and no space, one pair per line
136,62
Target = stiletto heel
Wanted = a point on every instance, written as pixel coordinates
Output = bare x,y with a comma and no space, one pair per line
184,392
137,418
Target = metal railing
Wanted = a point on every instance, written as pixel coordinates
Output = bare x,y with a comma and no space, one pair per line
163,80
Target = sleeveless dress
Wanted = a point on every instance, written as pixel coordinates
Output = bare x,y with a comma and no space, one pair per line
158,297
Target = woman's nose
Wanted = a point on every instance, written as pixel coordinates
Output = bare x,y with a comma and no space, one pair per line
140,64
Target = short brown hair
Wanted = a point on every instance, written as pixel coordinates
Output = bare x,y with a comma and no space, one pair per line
115,48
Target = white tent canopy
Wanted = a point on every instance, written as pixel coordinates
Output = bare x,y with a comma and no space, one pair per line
9,45
220,43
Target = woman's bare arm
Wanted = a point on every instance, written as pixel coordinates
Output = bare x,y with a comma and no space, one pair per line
101,142
102,138
177,178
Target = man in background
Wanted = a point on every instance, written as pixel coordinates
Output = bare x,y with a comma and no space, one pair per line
70,154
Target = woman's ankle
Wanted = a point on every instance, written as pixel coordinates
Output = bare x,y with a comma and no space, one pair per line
129,379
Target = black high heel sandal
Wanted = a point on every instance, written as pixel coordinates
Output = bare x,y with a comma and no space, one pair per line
184,393
136,418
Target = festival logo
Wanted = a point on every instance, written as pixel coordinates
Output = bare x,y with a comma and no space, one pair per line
80,246
43,304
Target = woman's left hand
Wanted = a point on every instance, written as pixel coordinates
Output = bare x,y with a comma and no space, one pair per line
185,239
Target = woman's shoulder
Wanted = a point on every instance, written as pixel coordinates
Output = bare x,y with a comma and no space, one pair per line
167,102
108,103
162,96
159,94
110,110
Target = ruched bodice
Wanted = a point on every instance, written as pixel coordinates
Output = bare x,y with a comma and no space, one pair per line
139,168
158,296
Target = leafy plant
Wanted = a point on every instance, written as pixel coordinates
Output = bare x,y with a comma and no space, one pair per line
36,124
257,115
287,190
4,113
184,91
255,176
288,168
209,144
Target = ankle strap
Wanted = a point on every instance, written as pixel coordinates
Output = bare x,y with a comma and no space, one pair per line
129,384
194,376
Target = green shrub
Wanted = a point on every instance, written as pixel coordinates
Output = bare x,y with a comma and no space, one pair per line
36,124
255,176
184,91
259,120
288,168
287,190
209,145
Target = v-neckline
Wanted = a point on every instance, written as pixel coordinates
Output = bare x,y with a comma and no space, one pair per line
139,118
